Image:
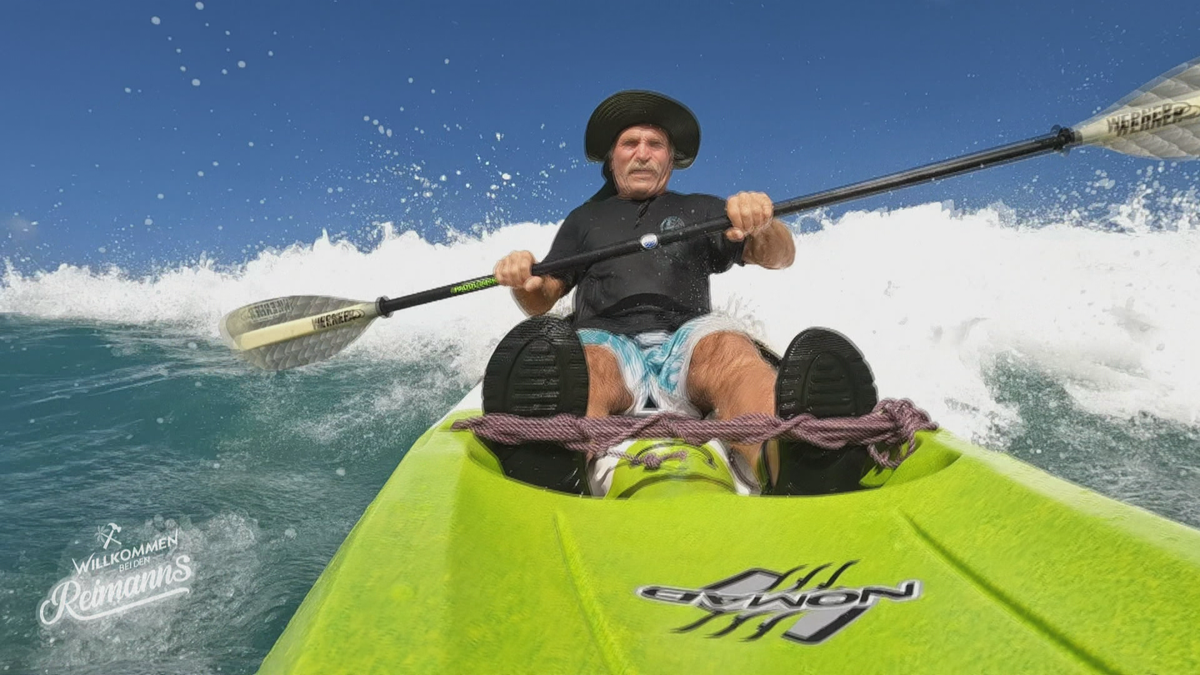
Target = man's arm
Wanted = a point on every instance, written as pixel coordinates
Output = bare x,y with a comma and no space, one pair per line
771,247
535,295
769,243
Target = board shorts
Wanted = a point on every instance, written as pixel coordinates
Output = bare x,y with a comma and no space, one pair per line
655,365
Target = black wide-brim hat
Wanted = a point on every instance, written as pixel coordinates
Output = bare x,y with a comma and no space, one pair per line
625,109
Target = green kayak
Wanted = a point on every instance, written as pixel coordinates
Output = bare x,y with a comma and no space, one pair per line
963,560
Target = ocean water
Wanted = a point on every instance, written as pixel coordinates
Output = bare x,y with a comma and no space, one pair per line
1065,340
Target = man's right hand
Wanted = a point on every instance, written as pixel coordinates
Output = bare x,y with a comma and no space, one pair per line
535,295
513,271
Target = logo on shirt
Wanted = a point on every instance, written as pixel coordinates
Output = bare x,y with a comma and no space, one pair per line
671,223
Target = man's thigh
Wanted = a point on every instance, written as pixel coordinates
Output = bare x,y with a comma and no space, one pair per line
616,365
672,362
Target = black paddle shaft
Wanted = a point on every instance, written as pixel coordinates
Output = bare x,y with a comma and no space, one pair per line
1059,139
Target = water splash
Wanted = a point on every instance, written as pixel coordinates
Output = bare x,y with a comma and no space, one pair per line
934,296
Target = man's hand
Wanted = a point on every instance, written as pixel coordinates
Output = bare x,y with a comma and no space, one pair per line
535,295
749,213
768,242
513,271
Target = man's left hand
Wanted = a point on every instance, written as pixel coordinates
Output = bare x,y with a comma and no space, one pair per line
749,213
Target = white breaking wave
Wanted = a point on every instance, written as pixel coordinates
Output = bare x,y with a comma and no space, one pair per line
933,297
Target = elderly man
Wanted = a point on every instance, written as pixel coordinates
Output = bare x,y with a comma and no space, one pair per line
642,333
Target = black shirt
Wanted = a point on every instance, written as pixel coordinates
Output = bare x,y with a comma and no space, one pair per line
653,290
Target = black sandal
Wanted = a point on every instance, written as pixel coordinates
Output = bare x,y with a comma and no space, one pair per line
822,374
539,370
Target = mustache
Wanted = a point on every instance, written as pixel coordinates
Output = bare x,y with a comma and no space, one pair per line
640,166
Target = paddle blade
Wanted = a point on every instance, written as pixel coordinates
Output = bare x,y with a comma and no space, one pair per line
1159,120
296,330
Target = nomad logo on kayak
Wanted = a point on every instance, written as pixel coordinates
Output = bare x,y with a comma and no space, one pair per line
819,612
118,578
335,319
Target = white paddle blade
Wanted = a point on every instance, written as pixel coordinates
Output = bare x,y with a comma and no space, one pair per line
296,330
1160,120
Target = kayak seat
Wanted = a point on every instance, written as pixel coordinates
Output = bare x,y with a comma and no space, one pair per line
539,370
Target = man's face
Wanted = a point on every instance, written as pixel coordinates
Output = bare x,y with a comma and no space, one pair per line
641,162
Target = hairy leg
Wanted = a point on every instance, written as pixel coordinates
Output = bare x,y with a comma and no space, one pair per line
728,377
607,394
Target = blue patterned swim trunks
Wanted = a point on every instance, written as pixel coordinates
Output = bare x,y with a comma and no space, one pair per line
655,365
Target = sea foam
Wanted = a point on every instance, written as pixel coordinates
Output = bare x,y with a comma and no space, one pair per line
934,296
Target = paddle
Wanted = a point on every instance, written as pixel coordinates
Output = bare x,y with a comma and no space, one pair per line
1160,120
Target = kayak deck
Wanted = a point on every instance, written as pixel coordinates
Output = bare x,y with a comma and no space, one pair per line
964,560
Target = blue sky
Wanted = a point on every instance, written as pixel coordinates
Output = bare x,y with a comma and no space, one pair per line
279,105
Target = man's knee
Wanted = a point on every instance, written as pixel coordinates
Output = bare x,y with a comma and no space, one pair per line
606,386
717,350
601,361
725,360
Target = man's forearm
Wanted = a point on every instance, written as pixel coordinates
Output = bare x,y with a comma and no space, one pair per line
772,247
536,303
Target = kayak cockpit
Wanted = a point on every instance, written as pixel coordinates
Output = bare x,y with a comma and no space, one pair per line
660,468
